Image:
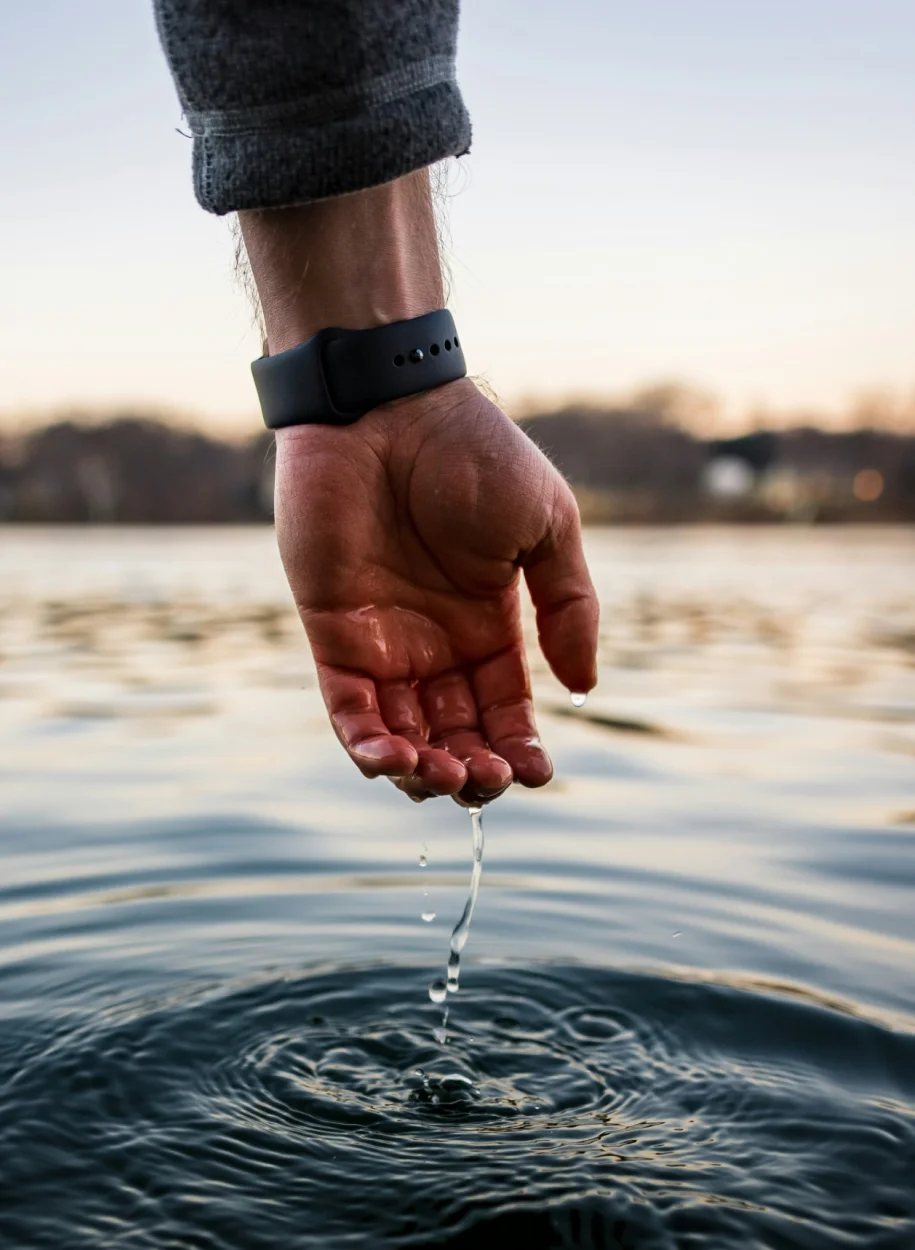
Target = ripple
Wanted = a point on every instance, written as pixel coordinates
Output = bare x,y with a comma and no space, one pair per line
572,1106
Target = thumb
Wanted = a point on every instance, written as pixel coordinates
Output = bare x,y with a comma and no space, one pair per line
564,598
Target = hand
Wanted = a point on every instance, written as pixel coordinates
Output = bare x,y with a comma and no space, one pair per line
403,537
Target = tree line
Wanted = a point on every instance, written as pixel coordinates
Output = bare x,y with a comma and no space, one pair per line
630,463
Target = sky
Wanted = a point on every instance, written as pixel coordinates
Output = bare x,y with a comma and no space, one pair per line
719,192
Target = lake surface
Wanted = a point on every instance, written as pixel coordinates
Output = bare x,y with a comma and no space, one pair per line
687,1008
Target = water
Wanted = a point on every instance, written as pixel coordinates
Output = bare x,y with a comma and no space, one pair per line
426,916
686,1013
438,991
461,931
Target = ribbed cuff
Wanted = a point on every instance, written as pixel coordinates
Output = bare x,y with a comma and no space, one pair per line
288,163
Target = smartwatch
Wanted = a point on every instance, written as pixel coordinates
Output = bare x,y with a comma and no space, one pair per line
337,376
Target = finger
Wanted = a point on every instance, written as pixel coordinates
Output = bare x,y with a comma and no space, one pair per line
436,771
501,686
413,792
352,702
451,712
565,601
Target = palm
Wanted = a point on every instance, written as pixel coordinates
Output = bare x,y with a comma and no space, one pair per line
403,537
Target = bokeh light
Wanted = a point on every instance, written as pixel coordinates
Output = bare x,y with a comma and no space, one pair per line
868,485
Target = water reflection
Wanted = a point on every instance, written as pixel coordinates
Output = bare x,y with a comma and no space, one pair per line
720,878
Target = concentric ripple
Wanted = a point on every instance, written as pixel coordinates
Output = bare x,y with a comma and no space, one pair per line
572,1106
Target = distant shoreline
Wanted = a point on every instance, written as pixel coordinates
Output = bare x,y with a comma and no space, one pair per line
628,466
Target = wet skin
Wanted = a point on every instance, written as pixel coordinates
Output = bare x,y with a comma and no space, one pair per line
404,537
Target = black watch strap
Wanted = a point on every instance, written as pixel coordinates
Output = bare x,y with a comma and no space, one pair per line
337,376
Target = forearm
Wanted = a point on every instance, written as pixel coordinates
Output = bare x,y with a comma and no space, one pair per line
291,101
354,262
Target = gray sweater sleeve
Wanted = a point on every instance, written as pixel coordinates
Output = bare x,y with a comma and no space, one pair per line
296,100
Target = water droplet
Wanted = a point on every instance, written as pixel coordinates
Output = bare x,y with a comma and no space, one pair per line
422,861
676,933
456,1080
428,916
438,991
578,698
441,1033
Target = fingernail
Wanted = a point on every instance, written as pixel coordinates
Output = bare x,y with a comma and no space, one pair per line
372,749
503,770
376,751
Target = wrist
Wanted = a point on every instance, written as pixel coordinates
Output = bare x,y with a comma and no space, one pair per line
354,262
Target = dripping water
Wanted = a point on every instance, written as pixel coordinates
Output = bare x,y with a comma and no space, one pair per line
426,915
441,1032
461,930
579,699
